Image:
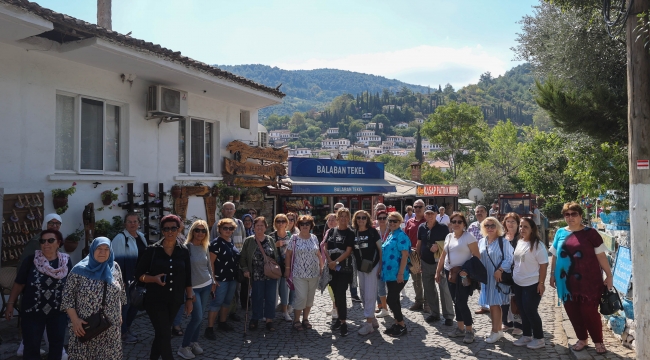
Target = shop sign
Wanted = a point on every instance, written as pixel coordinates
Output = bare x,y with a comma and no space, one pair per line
341,189
244,151
437,190
249,168
326,168
623,269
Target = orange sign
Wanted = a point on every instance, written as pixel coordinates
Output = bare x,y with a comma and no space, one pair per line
437,190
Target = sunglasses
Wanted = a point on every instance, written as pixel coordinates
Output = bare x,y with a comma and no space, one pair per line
291,219
197,230
54,223
228,228
571,214
418,207
304,224
382,218
456,221
490,226
393,221
50,240
168,229
280,221
362,218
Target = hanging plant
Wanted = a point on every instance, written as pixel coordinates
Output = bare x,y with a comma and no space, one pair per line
60,198
108,196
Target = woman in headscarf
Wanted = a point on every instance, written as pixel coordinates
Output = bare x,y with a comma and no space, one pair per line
95,280
247,219
43,274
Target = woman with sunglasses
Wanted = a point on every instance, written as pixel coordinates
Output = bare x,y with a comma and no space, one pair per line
509,320
330,223
198,239
291,227
496,256
531,261
367,255
247,220
224,258
340,242
384,231
166,270
577,275
42,274
304,264
264,289
395,254
95,280
460,246
281,238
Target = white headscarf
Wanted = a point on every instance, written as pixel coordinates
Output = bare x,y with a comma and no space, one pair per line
50,217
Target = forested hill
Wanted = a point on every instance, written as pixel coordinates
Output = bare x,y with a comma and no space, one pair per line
314,89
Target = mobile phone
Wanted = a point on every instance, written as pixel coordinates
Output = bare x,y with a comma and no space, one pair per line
338,267
164,278
212,295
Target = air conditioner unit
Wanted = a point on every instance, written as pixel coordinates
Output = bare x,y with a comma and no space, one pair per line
166,102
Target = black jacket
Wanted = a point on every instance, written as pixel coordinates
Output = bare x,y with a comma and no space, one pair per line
476,271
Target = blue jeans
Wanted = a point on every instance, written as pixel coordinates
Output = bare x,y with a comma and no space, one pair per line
178,317
223,295
192,330
286,295
34,325
381,290
528,301
264,295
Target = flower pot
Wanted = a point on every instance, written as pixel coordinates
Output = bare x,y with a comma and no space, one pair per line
70,246
176,192
107,200
59,202
237,198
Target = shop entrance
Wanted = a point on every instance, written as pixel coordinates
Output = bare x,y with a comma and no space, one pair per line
355,203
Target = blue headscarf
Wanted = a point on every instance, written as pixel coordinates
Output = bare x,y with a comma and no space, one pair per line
91,268
250,230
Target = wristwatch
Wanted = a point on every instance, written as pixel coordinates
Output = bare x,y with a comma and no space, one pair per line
337,262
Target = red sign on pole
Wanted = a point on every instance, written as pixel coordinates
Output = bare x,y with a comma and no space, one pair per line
437,190
643,164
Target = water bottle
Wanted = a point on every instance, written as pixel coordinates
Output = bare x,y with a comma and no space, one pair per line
465,280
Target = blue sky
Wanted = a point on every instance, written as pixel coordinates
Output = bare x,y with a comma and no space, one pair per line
421,42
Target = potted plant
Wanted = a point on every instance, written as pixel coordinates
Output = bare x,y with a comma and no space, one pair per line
108,196
237,194
60,198
176,191
72,241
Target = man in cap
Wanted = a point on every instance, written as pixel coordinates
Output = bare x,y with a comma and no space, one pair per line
411,229
430,235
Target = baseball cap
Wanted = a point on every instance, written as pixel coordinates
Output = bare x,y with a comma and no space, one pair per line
433,208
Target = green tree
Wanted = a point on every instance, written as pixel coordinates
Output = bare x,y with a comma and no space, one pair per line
355,126
433,175
297,123
459,129
502,151
275,122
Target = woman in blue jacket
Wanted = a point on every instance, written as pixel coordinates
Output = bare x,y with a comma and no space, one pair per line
395,254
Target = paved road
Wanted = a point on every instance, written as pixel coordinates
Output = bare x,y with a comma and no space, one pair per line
422,341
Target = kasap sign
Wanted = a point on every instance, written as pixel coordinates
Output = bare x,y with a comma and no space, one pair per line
326,168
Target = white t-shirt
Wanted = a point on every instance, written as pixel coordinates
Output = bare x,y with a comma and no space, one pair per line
458,249
526,271
444,219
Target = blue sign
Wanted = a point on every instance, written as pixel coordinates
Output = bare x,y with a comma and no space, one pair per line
623,270
342,189
326,168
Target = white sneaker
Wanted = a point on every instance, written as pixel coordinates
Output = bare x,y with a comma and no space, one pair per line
21,350
335,314
186,353
366,329
375,323
382,313
287,317
494,337
536,344
522,341
517,332
196,348
64,355
289,309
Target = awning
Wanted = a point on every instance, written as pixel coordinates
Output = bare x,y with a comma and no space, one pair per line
403,188
339,186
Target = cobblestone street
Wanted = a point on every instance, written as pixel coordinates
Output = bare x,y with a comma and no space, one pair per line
423,340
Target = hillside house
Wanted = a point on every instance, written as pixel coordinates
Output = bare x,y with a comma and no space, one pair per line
82,104
280,134
366,116
335,143
332,132
365,133
409,140
419,120
400,151
300,152
372,151
387,145
367,140
373,125
402,125
395,139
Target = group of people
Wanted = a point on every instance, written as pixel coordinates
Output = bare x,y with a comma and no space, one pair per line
506,261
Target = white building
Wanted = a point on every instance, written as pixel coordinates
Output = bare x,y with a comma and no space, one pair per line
387,145
400,151
372,151
262,136
280,134
373,125
333,131
335,143
365,133
366,140
409,140
395,139
74,99
402,125
366,116
420,120
300,152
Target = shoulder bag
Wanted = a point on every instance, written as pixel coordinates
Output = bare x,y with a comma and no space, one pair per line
96,323
453,273
271,267
503,274
137,289
293,256
610,302
345,266
506,277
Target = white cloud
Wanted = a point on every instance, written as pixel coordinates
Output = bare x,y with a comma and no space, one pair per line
422,65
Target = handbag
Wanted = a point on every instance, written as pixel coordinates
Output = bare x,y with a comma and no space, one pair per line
506,278
271,267
452,277
96,323
414,262
610,302
293,256
137,290
366,265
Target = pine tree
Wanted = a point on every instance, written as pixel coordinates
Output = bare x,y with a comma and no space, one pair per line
418,146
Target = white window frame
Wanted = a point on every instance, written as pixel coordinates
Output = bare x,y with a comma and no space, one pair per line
123,116
216,146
